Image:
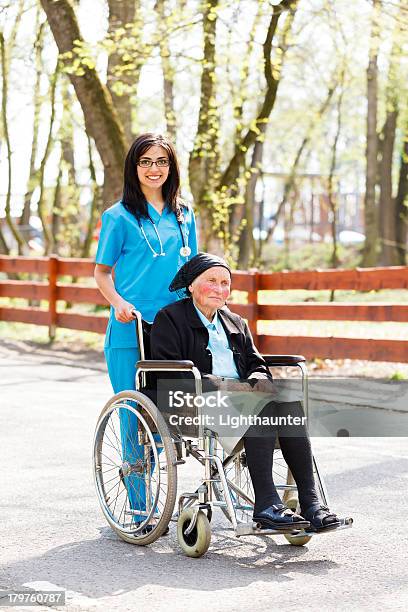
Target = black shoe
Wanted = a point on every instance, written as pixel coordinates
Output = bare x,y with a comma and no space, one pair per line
321,519
280,516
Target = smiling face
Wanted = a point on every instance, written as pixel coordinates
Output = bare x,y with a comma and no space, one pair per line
210,290
153,177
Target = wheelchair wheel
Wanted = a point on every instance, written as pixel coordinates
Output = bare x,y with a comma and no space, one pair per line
240,483
196,543
135,469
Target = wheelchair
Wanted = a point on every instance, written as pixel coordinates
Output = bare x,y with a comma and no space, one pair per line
135,459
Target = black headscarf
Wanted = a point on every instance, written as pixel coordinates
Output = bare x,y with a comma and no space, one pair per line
193,268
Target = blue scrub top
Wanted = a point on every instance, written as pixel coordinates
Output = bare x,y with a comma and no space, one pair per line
140,278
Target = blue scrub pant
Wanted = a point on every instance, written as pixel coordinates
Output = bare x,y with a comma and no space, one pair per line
121,368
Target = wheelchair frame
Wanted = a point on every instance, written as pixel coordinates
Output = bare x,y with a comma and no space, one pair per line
195,508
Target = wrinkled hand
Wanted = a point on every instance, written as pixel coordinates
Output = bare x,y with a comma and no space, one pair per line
123,312
226,384
262,385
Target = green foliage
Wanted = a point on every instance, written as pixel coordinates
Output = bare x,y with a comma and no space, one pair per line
79,60
398,376
307,257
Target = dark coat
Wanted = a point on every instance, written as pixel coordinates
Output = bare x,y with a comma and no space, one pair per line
178,333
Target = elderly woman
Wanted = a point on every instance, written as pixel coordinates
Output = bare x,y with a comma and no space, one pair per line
202,329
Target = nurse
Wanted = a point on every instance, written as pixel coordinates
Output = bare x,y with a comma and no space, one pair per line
146,237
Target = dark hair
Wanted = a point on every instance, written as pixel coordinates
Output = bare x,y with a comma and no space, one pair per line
133,198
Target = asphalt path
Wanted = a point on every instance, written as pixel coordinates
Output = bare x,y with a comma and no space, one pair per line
54,535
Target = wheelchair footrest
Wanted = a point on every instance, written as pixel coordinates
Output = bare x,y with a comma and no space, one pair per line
345,523
244,529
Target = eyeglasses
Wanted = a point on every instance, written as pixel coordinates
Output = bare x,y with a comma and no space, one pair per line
148,163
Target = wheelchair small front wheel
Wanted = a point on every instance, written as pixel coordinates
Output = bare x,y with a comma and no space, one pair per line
293,504
297,541
196,543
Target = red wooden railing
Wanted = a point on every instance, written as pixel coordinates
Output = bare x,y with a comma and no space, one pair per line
364,279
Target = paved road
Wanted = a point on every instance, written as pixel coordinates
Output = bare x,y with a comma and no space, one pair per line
52,531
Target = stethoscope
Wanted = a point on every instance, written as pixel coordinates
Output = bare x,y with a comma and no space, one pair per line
185,250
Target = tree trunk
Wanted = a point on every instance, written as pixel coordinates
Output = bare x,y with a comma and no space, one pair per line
101,119
95,203
387,208
237,212
370,204
246,244
121,13
42,210
67,133
387,216
4,249
288,226
239,98
66,210
401,204
5,63
33,176
330,191
168,72
260,216
204,157
4,102
56,207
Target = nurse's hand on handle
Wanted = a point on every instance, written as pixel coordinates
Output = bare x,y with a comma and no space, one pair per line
124,311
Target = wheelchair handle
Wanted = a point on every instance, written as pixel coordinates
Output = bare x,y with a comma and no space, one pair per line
283,360
153,364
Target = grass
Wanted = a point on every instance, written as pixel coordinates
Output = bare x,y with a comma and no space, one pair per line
398,376
344,329
387,296
38,334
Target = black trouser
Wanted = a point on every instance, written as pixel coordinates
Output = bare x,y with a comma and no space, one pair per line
296,450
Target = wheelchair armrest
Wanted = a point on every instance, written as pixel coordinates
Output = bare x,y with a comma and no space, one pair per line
155,364
283,360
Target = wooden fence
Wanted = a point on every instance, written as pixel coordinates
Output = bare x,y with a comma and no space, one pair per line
364,279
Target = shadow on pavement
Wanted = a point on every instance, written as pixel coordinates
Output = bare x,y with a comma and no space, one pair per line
107,566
